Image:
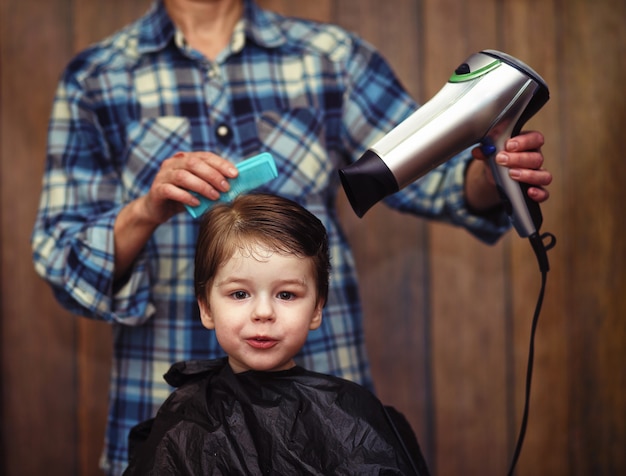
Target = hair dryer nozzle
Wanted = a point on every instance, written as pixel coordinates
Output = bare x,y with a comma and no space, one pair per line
367,181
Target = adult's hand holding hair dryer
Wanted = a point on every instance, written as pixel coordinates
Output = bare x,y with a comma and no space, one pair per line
487,100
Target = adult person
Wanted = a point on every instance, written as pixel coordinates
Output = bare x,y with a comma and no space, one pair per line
169,105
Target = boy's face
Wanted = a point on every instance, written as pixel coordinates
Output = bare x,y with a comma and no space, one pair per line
262,305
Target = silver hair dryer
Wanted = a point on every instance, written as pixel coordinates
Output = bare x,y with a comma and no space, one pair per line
487,100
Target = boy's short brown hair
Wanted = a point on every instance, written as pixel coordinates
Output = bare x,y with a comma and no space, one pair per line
276,222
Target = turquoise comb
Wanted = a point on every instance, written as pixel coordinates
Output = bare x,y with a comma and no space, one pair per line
253,173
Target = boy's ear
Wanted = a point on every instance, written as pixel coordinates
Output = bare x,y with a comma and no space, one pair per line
205,314
316,320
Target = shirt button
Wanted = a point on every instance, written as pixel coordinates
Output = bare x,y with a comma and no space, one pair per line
224,134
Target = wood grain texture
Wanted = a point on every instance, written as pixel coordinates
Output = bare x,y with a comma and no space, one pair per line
593,46
37,348
544,443
469,285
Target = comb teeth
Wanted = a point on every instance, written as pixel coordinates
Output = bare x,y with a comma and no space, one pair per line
253,173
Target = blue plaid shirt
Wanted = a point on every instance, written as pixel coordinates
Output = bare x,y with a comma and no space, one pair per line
313,95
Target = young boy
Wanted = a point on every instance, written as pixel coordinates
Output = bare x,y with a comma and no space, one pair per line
261,279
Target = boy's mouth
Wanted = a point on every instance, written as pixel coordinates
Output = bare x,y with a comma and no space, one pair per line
261,342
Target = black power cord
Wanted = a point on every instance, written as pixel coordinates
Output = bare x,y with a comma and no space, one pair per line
540,248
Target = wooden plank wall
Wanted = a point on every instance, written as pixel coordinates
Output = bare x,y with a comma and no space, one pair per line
448,318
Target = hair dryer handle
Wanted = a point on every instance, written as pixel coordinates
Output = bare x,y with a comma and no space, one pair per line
524,212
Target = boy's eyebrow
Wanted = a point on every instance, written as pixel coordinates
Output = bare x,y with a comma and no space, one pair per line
231,280
237,280
299,282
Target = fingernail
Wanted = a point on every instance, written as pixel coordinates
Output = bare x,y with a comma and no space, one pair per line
512,145
502,159
225,185
514,173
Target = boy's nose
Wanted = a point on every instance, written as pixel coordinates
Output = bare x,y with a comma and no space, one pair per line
263,310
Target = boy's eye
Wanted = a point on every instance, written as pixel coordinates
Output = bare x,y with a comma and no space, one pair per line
286,295
239,295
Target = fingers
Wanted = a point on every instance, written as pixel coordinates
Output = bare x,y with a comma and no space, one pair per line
201,172
524,159
530,141
538,194
526,141
520,161
206,166
478,154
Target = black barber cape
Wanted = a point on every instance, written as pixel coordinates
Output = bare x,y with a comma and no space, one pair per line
292,422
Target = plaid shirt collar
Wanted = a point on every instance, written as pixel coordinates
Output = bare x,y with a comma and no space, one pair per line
156,30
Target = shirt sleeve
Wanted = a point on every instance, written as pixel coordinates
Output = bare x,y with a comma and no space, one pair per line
375,103
72,240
